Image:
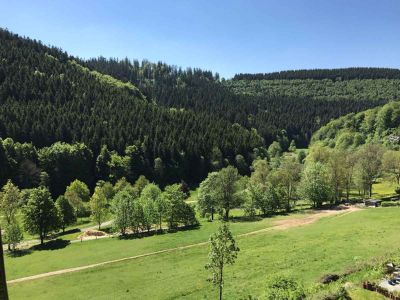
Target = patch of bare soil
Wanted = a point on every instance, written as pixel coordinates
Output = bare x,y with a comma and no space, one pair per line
289,223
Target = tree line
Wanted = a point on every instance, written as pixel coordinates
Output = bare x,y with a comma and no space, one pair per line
136,208
318,74
324,176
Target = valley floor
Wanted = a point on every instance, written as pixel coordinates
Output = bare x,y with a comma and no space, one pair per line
172,265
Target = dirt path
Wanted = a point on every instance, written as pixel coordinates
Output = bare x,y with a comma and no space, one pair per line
278,225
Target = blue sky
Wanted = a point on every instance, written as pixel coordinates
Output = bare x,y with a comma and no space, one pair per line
225,36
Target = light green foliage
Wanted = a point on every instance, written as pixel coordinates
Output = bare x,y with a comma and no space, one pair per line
40,213
223,251
274,150
160,207
107,189
368,167
208,196
378,125
260,171
13,235
123,184
122,208
229,190
119,167
149,200
391,165
283,288
250,203
107,79
285,180
315,186
292,146
77,193
10,201
141,183
66,212
98,206
177,211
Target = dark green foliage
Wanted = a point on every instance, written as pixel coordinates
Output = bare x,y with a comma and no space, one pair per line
47,97
397,190
335,74
265,106
64,163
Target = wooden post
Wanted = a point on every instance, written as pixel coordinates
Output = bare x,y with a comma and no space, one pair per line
3,282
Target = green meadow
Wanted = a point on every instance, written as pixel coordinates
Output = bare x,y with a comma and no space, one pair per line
332,244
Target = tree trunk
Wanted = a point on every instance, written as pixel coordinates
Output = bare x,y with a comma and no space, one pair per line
226,214
3,281
212,214
370,190
221,279
41,239
160,224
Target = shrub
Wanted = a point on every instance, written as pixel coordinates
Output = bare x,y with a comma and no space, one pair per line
283,288
389,203
397,190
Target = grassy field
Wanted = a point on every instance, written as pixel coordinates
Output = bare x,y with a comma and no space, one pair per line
331,245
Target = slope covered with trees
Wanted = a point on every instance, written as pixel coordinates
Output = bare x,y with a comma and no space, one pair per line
335,74
46,96
380,125
64,118
270,109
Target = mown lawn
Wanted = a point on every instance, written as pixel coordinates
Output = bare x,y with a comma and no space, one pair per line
331,245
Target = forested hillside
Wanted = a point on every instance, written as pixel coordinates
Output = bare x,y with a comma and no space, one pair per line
299,113
47,97
380,125
334,74
124,118
371,91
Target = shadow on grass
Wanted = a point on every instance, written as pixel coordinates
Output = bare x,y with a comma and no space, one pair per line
144,234
56,235
19,253
51,245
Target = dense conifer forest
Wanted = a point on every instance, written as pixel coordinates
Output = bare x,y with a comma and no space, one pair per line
334,74
299,111
47,97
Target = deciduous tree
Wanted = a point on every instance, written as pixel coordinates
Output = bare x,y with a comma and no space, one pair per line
40,213
223,251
